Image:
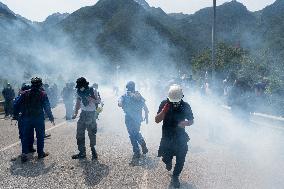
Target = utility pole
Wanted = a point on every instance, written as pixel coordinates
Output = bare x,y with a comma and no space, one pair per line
213,56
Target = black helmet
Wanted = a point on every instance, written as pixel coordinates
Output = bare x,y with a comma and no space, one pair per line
36,82
130,86
81,82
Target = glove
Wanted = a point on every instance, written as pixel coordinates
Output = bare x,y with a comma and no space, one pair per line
166,107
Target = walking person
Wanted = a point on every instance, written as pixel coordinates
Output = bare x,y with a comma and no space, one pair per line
132,104
86,101
176,114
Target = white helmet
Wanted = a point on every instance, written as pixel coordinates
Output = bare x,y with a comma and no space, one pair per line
175,93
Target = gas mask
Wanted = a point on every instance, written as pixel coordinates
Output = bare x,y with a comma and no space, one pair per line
82,89
176,105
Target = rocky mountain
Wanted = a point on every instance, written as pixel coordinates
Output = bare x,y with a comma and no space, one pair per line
143,3
53,19
121,30
6,12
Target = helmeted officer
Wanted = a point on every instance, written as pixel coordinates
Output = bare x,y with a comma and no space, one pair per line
9,95
86,100
32,104
176,115
132,104
18,115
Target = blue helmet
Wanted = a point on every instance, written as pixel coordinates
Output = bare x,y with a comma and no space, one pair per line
25,87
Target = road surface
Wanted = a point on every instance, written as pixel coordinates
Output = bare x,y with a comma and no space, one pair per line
223,153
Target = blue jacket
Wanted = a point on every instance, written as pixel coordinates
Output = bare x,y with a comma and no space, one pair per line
132,105
33,103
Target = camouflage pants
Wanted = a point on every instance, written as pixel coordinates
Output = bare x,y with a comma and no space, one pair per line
87,121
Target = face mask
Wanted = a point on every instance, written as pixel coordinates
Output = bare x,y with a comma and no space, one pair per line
82,89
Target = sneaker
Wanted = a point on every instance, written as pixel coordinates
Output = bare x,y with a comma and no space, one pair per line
135,159
47,135
24,158
175,182
94,155
43,155
79,156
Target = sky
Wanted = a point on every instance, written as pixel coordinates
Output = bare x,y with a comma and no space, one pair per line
38,10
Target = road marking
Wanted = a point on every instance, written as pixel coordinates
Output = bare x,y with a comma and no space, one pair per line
17,143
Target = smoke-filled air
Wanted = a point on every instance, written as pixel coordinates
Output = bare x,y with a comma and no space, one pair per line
124,95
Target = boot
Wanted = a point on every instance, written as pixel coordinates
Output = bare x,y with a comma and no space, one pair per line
94,154
79,156
24,158
175,181
43,155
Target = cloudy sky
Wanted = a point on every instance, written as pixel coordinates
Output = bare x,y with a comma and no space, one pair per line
38,10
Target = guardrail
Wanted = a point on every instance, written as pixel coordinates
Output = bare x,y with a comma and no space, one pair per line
2,107
265,117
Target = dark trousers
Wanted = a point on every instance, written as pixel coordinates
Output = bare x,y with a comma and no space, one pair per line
21,133
8,107
29,124
133,128
170,148
87,121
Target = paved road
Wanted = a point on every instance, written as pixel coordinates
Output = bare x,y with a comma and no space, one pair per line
224,153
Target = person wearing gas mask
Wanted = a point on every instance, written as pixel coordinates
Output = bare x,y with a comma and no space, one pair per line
32,104
86,100
9,95
132,104
176,115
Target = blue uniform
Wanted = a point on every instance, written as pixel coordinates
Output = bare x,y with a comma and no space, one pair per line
9,95
19,116
32,104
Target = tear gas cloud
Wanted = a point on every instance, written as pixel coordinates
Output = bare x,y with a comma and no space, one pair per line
244,140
